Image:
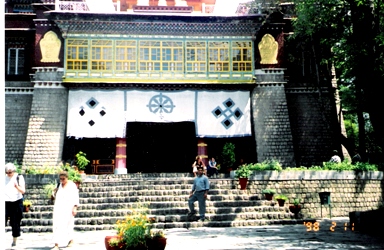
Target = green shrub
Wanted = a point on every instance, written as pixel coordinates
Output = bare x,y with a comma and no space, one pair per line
243,171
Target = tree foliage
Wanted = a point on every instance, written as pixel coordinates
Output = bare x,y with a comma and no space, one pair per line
349,34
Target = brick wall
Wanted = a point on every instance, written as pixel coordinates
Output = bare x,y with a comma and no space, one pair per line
315,130
350,191
18,100
271,119
46,131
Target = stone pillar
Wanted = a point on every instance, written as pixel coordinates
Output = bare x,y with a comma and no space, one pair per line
48,119
271,119
202,150
121,156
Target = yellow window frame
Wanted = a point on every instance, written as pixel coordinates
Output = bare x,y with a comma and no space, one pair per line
77,54
218,56
241,56
126,55
196,56
101,55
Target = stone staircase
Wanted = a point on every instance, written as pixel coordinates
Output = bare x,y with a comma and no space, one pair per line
108,198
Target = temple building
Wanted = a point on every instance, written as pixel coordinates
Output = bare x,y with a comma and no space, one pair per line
146,85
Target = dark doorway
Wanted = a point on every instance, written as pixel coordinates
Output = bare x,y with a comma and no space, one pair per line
95,148
161,147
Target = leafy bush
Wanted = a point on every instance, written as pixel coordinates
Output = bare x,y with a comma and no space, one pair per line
281,197
243,171
269,191
81,160
266,165
228,155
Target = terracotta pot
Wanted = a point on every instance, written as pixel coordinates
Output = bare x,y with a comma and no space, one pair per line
268,197
281,202
108,247
157,243
295,209
243,183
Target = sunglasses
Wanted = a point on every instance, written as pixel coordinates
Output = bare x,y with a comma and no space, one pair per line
62,179
9,172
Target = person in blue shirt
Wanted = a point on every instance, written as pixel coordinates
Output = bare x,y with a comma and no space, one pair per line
212,168
198,193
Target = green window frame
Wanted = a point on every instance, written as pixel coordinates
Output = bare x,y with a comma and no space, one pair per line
218,56
241,56
161,56
196,56
77,54
102,55
125,55
172,56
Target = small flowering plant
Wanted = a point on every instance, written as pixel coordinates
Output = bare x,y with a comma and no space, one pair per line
134,230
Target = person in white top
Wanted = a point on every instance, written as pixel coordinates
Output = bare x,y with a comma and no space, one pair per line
64,211
14,190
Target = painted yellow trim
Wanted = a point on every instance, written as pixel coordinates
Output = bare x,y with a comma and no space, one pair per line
125,80
121,145
202,144
121,156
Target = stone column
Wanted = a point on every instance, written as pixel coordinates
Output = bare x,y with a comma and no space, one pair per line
121,156
271,119
202,150
48,119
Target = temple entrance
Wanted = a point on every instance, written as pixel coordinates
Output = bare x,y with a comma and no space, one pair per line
160,147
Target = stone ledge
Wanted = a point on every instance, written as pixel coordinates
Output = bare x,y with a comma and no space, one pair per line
313,175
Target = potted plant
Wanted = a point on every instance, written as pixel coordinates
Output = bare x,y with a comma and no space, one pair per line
134,232
228,156
81,161
27,204
281,199
269,193
243,174
157,241
113,242
295,208
49,190
74,176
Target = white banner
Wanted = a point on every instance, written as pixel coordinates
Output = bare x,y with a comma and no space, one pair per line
96,114
223,114
104,114
160,106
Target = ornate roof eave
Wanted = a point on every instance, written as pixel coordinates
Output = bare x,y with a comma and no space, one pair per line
175,86
146,24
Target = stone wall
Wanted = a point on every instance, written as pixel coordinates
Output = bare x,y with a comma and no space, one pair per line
47,123
315,130
271,119
350,191
18,100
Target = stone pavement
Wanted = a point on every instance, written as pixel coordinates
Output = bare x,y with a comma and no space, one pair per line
271,237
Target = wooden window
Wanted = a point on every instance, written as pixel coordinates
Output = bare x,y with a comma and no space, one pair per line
15,61
172,56
125,56
242,56
77,54
161,56
102,55
218,56
150,55
196,59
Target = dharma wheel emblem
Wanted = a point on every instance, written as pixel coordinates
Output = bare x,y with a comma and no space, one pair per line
160,104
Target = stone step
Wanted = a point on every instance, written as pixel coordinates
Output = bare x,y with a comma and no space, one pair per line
47,214
239,223
164,219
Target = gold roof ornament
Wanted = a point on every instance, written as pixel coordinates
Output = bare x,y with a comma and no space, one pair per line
50,48
268,49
